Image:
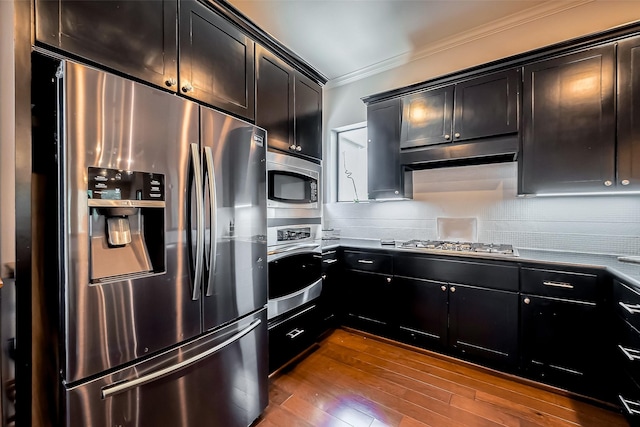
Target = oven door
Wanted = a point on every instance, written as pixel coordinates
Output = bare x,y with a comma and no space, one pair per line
294,277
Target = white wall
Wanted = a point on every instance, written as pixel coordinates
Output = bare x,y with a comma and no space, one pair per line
7,137
488,193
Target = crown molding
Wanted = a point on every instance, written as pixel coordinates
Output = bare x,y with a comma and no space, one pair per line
543,10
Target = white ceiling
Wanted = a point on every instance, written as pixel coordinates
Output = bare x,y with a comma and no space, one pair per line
341,38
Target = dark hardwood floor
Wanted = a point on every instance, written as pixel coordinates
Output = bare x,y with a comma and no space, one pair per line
356,380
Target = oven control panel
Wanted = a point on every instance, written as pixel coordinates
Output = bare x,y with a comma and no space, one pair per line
292,234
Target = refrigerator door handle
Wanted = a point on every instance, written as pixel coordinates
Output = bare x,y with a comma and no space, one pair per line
123,386
211,182
197,172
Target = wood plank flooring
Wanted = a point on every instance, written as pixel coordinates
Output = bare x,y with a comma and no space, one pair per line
356,380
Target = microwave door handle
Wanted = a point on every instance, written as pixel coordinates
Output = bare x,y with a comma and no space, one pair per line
213,198
197,174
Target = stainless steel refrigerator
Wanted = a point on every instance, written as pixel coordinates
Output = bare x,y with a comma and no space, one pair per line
162,247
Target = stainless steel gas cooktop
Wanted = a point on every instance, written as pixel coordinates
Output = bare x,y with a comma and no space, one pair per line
465,247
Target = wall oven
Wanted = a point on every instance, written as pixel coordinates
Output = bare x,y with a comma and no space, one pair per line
295,265
293,187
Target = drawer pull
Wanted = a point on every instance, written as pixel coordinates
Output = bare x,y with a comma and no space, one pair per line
558,284
328,253
631,353
330,261
632,407
296,332
632,309
365,261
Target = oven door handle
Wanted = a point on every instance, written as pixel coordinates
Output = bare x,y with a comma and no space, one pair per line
279,253
293,248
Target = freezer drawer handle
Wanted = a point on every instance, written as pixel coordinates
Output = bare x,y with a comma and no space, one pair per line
293,334
632,309
123,386
213,200
632,407
631,353
197,174
558,284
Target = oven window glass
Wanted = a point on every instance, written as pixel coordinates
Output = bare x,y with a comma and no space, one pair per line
292,273
292,188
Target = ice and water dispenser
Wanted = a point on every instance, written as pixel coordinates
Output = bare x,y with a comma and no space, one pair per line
126,224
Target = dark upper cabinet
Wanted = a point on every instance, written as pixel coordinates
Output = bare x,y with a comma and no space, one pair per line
386,177
629,114
483,323
427,117
288,106
138,38
481,107
569,126
274,99
216,61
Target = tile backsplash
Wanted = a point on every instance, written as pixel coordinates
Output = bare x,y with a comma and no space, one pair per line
593,224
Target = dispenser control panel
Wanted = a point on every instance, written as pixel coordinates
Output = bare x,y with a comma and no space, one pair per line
287,234
116,184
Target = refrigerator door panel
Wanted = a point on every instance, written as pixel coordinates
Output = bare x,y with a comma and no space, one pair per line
219,379
235,189
115,126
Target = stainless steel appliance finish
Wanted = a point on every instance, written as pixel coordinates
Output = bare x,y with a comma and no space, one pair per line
294,187
205,266
466,247
212,381
295,266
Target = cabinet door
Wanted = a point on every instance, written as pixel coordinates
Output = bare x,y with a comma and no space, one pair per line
483,323
562,341
384,172
113,34
629,114
308,117
569,123
427,117
421,310
216,61
274,99
367,299
487,106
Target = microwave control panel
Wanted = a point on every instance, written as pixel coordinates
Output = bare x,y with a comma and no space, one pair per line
289,234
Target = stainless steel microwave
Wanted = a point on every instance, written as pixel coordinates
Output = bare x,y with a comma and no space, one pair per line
293,187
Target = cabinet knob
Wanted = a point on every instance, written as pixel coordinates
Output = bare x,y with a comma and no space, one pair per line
624,182
396,192
324,277
187,88
447,137
388,279
298,148
453,289
608,183
292,147
527,300
170,82
457,135
443,287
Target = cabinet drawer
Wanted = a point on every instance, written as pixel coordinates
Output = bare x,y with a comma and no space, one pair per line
628,347
484,274
290,337
561,284
368,261
628,393
627,302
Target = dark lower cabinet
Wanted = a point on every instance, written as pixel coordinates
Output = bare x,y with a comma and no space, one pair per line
368,300
483,324
563,343
421,313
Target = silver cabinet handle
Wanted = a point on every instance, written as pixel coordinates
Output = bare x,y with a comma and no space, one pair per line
292,147
632,407
453,289
447,137
625,182
365,261
443,287
328,253
187,88
558,284
197,175
527,301
608,183
631,353
330,261
632,309
298,148
170,82
213,204
388,279
123,386
324,277
457,135
296,332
